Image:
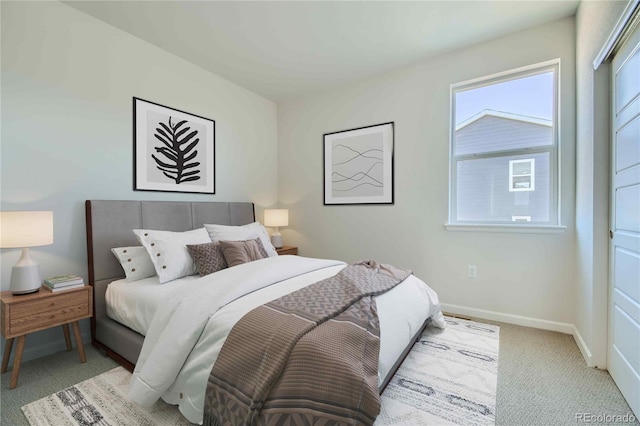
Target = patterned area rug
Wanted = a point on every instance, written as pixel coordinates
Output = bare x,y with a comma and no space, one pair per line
100,401
449,377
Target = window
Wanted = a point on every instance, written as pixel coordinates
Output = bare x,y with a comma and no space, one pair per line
504,148
522,175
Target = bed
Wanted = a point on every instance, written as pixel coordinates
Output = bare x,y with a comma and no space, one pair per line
118,326
109,224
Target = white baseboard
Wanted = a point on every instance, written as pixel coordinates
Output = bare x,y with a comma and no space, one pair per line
524,321
584,349
509,318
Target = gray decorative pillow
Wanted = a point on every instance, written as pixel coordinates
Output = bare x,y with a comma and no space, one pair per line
239,252
208,257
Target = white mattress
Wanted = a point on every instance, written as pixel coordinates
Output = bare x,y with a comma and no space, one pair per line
134,303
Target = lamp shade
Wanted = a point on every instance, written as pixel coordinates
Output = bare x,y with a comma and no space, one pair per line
26,229
276,217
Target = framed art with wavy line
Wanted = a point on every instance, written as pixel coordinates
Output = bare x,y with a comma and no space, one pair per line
173,150
358,165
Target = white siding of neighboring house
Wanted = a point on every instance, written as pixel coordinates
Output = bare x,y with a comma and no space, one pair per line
483,184
491,133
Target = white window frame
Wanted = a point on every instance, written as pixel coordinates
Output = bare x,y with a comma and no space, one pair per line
554,224
531,175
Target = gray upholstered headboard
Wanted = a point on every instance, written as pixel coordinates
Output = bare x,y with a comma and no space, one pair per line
109,225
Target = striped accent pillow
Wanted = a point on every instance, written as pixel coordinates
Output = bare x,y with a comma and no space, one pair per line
239,252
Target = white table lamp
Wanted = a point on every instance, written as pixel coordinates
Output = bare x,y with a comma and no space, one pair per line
24,230
276,218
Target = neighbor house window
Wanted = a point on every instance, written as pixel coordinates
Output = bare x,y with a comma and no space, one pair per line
522,175
504,148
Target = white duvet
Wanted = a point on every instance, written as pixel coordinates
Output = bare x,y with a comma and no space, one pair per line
188,331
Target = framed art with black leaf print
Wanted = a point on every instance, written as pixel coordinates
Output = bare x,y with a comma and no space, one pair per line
173,150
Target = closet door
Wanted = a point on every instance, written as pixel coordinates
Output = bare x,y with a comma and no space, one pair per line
624,295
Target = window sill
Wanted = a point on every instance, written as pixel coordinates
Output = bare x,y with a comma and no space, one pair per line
514,229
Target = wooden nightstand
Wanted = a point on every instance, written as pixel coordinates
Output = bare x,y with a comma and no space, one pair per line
24,314
287,250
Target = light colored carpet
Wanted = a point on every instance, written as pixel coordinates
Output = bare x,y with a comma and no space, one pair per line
544,380
448,378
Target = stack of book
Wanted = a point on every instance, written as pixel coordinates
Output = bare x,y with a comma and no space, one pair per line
63,282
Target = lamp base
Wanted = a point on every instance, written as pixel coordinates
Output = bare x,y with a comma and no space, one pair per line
276,241
25,279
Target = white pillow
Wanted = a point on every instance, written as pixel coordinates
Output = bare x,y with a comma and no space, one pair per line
264,237
242,233
229,233
135,261
168,251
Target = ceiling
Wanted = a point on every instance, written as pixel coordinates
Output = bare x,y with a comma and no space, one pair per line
282,49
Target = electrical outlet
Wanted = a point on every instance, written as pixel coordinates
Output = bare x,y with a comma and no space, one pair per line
472,271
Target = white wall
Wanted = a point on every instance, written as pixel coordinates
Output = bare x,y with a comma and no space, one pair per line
594,21
530,275
67,87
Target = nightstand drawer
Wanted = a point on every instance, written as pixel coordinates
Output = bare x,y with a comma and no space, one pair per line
53,303
42,320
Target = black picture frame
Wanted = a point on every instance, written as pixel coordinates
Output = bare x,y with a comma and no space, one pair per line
359,165
173,150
